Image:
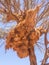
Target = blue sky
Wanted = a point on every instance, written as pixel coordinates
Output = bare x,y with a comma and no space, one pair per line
11,58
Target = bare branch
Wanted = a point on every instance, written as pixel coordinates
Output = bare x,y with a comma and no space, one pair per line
45,57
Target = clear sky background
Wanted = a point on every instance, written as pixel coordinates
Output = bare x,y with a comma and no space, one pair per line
10,57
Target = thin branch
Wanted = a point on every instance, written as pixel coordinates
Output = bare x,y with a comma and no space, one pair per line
45,57
46,10
46,52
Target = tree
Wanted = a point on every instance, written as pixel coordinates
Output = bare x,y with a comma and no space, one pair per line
27,19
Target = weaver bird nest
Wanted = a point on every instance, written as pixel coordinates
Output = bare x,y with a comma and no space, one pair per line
21,38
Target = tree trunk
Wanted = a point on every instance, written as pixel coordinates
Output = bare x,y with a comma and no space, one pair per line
32,57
